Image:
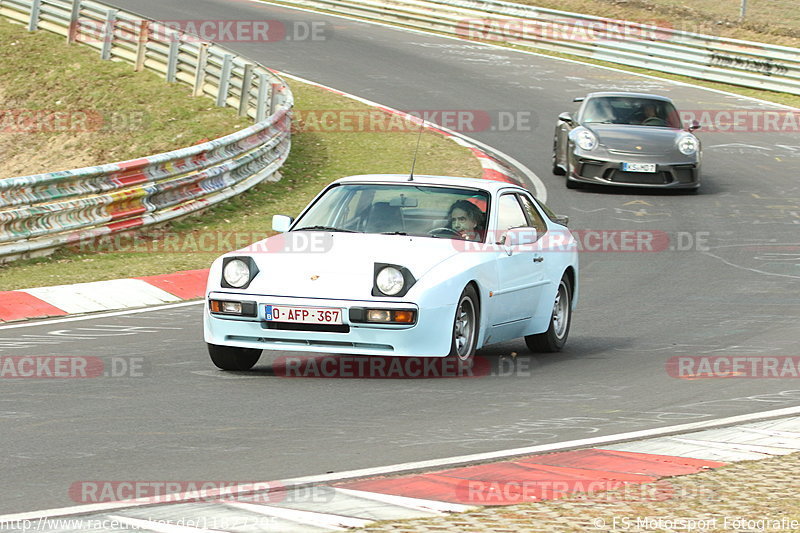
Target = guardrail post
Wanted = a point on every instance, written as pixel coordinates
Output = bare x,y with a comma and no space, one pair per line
33,23
141,45
224,80
72,30
273,100
247,84
172,60
263,93
200,73
108,34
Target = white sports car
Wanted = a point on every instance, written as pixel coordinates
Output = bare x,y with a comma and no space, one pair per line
392,265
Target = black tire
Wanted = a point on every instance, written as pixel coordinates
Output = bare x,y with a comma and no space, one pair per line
570,184
554,339
464,337
557,169
232,358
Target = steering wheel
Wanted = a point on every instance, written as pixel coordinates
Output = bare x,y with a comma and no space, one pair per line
445,231
654,121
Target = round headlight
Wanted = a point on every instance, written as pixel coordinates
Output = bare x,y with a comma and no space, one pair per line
687,144
236,273
390,281
586,140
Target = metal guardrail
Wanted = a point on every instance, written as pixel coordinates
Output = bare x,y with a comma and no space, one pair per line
743,63
41,212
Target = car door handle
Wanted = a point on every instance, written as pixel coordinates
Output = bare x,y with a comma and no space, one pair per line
538,259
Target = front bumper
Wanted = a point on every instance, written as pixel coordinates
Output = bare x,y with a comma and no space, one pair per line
671,175
430,336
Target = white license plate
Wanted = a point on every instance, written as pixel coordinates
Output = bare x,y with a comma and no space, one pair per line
639,167
303,315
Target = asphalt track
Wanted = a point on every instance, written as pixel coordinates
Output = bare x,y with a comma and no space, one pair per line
177,418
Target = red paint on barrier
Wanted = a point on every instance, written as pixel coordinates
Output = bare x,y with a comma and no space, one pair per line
125,213
125,224
130,179
17,305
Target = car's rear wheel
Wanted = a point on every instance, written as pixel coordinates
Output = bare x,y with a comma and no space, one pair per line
465,327
554,339
232,358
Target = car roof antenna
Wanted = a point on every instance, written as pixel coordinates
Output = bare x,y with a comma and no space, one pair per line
416,150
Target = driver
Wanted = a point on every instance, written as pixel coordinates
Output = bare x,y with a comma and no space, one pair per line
651,115
467,219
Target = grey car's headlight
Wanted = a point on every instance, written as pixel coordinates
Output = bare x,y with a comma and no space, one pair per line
586,140
237,272
390,281
688,144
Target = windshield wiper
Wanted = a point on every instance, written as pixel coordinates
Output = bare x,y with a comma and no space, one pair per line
394,233
325,228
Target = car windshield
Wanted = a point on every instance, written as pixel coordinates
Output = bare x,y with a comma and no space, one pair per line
399,209
631,111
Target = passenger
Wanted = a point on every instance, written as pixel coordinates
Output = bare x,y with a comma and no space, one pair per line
600,110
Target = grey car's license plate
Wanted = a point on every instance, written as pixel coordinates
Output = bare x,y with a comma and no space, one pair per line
639,167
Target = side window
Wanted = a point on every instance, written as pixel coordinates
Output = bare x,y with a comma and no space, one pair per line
509,215
535,220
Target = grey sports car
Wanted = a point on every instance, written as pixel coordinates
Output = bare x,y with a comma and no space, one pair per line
626,139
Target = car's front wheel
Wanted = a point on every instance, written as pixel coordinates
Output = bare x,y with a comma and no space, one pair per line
570,184
555,337
465,327
232,358
558,170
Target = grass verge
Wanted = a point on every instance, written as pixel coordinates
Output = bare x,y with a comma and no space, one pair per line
321,152
105,111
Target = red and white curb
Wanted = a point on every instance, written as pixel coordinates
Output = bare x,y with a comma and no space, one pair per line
637,471
112,295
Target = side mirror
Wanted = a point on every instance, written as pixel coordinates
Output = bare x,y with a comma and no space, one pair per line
281,223
694,126
579,99
521,236
562,219
566,117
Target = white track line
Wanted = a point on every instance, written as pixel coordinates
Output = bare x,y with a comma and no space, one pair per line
418,504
